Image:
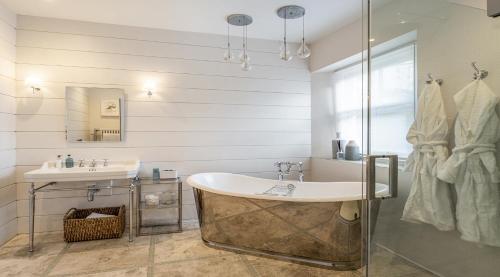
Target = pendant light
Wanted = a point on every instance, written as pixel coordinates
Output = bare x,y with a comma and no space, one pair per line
241,20
244,58
292,12
228,54
285,48
303,52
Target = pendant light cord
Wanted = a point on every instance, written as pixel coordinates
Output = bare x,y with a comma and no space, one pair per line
228,43
303,28
244,43
284,35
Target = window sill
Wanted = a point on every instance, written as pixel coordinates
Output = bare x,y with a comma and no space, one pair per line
401,163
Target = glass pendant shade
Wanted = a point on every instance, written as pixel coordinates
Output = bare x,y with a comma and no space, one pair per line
303,52
285,52
244,57
246,66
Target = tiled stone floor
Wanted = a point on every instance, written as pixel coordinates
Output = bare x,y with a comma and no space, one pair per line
181,254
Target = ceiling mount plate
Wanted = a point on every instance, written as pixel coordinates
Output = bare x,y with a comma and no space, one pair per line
291,12
239,19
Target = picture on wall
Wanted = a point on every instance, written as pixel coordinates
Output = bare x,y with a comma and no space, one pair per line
110,107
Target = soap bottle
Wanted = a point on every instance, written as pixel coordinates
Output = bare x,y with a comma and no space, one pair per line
69,162
59,162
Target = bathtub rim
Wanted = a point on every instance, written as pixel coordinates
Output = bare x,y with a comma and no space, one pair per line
382,190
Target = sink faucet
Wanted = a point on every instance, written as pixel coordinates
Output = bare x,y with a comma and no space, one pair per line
93,163
106,162
288,167
81,163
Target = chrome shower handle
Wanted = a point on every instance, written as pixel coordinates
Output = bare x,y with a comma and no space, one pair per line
371,176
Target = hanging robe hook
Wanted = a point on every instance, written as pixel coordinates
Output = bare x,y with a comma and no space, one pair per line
479,74
431,79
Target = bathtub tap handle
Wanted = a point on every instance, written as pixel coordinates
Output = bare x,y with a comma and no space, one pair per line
300,165
288,167
280,171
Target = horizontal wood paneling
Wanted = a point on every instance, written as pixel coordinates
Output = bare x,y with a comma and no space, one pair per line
92,30
7,86
174,63
205,115
159,139
181,95
163,109
8,194
97,76
145,48
155,154
8,230
7,31
160,124
8,140
7,104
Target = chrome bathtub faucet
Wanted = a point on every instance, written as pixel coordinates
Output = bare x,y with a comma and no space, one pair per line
288,167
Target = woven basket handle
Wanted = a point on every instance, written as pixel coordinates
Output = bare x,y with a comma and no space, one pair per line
68,213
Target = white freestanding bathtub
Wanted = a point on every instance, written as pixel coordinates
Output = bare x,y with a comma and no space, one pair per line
308,225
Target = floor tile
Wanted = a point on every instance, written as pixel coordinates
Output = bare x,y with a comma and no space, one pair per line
22,239
132,272
276,268
102,260
17,261
108,243
184,246
189,234
179,254
385,264
208,267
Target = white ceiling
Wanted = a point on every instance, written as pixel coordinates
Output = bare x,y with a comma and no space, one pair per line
206,16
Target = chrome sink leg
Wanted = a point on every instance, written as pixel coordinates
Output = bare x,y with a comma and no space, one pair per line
31,217
131,212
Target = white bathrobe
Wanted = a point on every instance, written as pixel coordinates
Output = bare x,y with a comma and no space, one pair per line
430,199
472,166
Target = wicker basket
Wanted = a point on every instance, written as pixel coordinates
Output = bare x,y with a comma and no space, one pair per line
78,228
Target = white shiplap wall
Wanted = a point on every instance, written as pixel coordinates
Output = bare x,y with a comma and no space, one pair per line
206,115
8,209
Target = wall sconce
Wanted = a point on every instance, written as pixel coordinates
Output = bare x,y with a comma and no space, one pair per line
33,83
150,87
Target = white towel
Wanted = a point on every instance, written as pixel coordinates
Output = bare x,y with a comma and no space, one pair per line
98,215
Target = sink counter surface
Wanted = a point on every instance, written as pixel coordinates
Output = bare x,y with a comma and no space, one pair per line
113,171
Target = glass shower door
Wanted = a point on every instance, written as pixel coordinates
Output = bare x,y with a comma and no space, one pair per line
431,102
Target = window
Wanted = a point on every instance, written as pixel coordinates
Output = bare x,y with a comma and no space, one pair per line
393,101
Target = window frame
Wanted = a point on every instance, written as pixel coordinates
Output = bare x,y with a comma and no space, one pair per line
413,43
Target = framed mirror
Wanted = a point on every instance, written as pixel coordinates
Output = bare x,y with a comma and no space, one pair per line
94,114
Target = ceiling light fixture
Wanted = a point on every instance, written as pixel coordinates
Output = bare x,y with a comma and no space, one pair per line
241,20
293,12
228,54
303,52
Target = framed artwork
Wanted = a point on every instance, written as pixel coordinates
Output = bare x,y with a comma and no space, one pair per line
110,107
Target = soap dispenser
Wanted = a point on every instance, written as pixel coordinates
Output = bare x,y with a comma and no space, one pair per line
59,162
69,162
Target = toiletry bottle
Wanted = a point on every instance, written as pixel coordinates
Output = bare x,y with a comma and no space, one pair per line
69,162
59,161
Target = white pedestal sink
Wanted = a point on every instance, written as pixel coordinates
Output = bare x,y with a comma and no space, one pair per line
49,175
114,170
